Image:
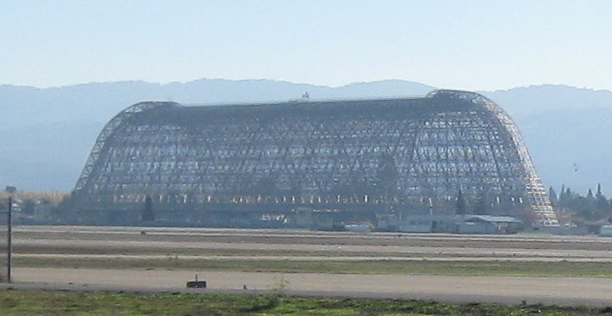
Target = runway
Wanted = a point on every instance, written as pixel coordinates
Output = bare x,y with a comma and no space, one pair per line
456,289
123,243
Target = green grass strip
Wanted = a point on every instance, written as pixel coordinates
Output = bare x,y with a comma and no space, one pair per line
470,268
65,303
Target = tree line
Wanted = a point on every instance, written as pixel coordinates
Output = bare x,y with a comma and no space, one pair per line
594,207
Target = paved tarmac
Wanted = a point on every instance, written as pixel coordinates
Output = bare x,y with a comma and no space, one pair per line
130,242
453,289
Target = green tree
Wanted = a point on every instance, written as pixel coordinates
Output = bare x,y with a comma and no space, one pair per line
565,197
386,175
590,195
461,206
601,203
554,199
28,207
561,200
147,213
598,194
481,207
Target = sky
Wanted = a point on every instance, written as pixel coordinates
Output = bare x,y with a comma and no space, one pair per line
481,45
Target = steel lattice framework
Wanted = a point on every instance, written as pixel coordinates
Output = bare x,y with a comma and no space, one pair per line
202,163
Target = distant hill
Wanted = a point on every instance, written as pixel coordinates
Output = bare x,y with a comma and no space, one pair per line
567,131
99,102
572,147
527,101
46,134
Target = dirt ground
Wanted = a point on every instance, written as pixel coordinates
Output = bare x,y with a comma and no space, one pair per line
39,240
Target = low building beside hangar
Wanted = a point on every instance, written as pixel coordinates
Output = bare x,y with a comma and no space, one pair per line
313,162
457,224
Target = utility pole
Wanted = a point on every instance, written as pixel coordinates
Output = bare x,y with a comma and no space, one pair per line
9,239
9,231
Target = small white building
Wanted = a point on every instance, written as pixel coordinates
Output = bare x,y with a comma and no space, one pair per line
605,231
460,224
487,224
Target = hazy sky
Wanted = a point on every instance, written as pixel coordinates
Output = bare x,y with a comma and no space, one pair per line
471,44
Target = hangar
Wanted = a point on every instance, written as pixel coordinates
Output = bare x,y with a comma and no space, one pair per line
315,162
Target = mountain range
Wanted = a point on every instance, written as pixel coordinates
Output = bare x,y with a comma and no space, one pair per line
46,134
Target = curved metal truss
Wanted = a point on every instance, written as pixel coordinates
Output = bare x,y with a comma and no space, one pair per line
201,163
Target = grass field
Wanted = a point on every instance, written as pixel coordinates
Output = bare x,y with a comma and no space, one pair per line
58,303
382,266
